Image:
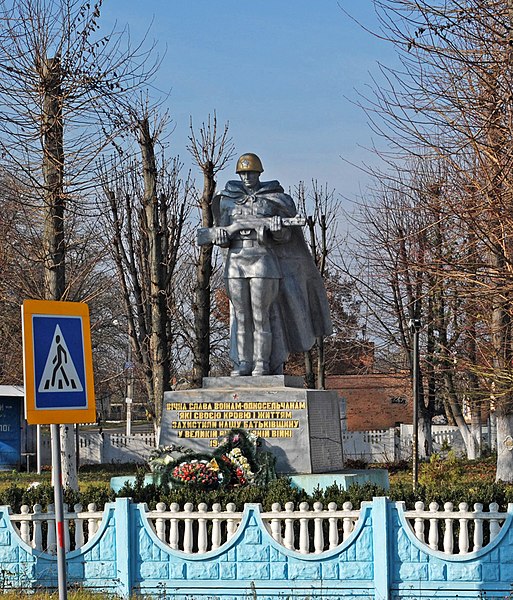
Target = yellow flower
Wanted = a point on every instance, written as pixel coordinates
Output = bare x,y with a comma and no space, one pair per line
213,465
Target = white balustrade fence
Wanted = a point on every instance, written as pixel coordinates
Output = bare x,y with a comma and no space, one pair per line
311,531
456,532
307,530
194,532
303,530
37,528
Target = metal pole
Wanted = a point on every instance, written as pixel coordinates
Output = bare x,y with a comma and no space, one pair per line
415,328
77,447
59,511
38,448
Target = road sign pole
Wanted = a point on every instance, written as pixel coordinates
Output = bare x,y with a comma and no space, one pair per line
59,385
38,448
59,511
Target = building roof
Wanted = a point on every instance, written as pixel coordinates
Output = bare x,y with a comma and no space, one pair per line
12,390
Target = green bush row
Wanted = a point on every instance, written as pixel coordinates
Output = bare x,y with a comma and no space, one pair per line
279,490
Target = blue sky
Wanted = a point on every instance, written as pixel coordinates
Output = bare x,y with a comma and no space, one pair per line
282,72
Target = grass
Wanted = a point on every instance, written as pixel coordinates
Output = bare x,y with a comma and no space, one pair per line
439,468
89,475
469,471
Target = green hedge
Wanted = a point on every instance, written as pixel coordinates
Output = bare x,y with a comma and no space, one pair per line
279,490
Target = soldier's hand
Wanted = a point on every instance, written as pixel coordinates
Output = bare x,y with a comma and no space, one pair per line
221,238
275,224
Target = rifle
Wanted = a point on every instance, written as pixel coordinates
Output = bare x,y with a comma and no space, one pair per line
206,235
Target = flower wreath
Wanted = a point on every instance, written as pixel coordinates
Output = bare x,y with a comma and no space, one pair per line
234,463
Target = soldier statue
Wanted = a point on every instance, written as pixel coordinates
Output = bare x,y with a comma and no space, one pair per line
278,302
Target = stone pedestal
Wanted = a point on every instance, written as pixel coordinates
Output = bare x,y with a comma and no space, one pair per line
300,427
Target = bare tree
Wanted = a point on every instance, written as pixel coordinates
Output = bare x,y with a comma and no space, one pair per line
149,205
408,241
89,279
322,208
212,151
59,80
451,99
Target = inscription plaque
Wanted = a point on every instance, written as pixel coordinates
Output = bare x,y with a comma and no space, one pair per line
290,421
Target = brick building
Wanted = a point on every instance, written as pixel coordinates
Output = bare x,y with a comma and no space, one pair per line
374,400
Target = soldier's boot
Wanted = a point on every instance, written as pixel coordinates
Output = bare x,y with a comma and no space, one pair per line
262,344
243,368
244,351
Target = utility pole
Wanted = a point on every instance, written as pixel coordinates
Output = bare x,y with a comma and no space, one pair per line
415,327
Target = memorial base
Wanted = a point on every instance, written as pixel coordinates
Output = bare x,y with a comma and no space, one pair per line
300,427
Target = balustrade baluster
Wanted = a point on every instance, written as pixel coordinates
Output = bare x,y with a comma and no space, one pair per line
463,538
187,533
276,523
160,522
51,544
347,522
288,538
478,528
25,525
433,526
92,523
173,527
231,523
79,527
37,531
419,522
216,527
318,532
494,523
449,529
333,527
304,541
202,529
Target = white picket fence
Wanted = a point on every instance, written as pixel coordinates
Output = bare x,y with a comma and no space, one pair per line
378,446
107,448
305,530
388,445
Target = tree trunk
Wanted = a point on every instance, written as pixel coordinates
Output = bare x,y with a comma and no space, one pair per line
501,342
456,411
474,438
425,437
53,235
319,251
158,334
201,305
309,372
504,445
321,364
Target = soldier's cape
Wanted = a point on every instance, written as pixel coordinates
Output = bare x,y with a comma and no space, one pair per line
301,312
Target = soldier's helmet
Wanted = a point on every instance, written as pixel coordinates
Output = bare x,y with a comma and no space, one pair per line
249,162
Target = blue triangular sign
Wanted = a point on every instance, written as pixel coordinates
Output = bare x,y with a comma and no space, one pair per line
59,374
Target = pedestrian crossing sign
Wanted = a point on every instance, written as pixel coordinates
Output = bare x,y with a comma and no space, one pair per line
58,366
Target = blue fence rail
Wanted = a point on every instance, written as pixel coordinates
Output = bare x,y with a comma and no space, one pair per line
381,560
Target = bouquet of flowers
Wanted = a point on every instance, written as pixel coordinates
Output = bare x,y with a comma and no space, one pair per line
202,473
163,456
241,465
238,453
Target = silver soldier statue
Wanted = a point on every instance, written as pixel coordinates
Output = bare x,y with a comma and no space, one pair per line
277,298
